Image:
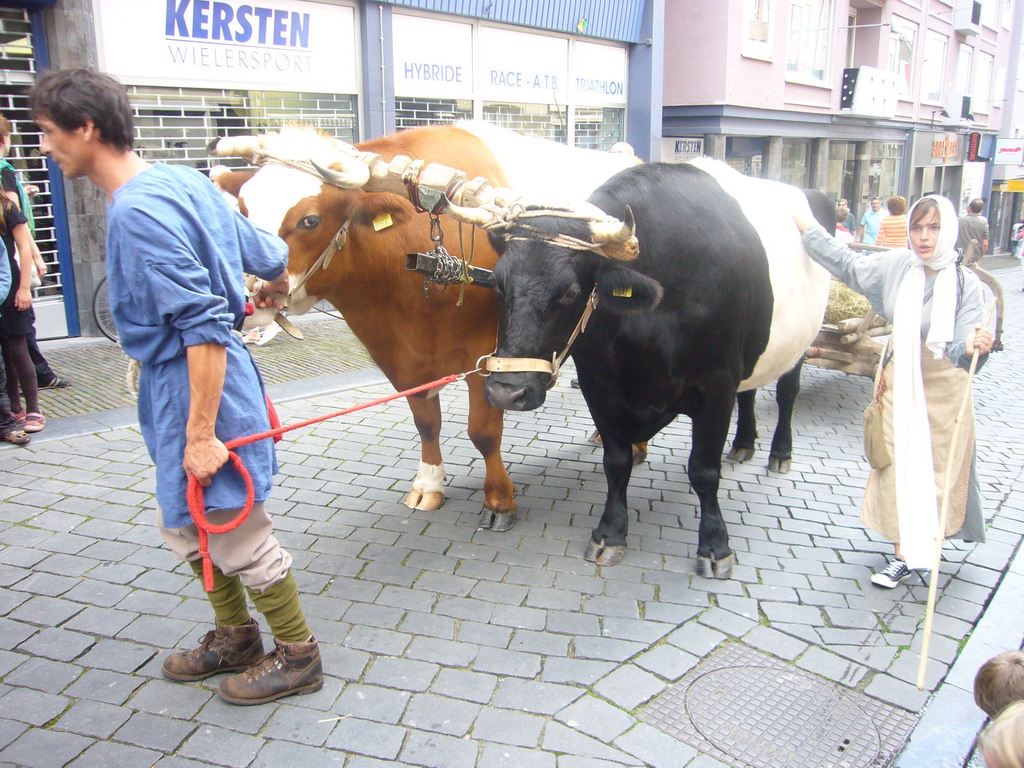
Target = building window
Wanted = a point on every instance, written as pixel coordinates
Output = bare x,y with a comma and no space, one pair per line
599,127
963,69
901,52
933,68
757,28
810,29
745,154
546,121
411,111
982,91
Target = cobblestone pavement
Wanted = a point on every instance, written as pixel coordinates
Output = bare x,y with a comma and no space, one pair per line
447,646
97,367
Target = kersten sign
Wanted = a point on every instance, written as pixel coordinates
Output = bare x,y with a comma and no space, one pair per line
288,45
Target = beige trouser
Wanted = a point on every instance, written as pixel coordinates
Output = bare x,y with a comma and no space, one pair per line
251,551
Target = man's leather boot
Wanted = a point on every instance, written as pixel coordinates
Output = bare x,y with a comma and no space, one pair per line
291,668
224,649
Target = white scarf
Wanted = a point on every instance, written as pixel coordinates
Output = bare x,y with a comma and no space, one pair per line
916,502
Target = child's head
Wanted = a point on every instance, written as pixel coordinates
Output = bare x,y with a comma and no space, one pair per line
1000,682
1002,742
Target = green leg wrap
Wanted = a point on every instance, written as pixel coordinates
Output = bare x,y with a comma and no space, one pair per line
227,597
281,607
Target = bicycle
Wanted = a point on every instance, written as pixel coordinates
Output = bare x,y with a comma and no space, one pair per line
101,311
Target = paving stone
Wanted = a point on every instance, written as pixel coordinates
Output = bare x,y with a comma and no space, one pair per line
280,754
508,727
32,707
417,623
357,736
105,622
163,734
573,623
575,671
696,639
533,696
435,750
373,703
157,630
377,640
160,697
475,633
629,686
774,642
606,649
117,655
45,611
58,644
295,724
667,661
445,652
43,675
505,756
509,663
791,614
10,730
898,692
440,714
93,718
596,717
406,674
105,686
232,750
539,642
561,739
39,748
111,755
655,748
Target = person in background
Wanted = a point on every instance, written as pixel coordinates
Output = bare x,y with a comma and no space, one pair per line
870,222
999,682
845,217
21,196
892,233
937,309
175,254
973,226
10,432
843,235
1001,744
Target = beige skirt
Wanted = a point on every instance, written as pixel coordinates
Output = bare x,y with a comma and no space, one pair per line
944,385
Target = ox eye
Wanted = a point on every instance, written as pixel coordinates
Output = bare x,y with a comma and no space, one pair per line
309,222
570,296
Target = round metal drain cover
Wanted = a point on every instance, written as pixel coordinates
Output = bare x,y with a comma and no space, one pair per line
761,716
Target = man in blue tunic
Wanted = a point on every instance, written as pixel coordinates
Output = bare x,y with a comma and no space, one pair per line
175,257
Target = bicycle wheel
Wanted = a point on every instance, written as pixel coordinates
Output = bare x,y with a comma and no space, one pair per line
101,311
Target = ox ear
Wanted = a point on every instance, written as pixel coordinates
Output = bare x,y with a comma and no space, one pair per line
624,290
229,181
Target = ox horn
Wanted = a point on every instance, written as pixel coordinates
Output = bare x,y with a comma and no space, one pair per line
235,146
354,174
614,231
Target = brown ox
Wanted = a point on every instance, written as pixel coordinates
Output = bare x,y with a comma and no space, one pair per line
414,335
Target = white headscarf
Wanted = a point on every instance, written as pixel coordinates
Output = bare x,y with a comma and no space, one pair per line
916,502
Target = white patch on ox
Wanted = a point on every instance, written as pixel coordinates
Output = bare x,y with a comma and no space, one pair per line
547,171
799,285
429,479
268,196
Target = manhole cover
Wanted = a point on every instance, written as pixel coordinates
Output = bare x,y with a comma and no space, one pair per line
750,710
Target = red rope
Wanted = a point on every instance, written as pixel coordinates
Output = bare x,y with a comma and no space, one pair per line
194,493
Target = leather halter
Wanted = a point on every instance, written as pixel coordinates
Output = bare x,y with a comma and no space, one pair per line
552,367
323,261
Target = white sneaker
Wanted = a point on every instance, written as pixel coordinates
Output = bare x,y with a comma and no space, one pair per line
895,572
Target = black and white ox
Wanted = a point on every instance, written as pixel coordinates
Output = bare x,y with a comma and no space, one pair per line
722,298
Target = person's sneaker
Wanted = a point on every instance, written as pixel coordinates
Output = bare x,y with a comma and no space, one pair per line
895,572
57,382
224,649
291,668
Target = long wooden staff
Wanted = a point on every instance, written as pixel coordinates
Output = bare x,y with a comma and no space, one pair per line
940,536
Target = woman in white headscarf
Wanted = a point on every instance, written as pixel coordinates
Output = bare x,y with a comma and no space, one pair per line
937,310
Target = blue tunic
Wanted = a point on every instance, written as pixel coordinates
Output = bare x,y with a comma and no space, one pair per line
175,257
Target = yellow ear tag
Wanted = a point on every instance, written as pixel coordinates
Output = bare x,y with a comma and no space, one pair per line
382,222
623,293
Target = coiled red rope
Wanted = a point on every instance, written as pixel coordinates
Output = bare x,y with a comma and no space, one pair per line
194,494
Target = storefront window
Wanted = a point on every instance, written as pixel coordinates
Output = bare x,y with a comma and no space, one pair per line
546,121
174,125
883,171
599,127
745,154
411,111
796,158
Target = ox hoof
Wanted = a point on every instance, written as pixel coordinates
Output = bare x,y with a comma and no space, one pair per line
710,568
603,554
639,453
426,501
780,465
496,521
741,454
